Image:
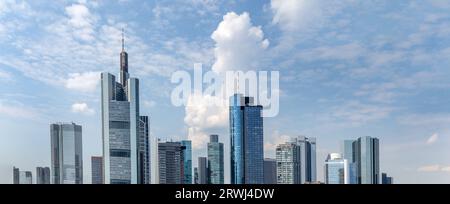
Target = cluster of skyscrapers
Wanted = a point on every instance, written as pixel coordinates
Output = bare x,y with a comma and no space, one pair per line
131,157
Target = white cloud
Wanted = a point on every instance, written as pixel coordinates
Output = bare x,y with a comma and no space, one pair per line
17,111
433,139
434,168
82,108
82,21
293,15
84,82
349,51
149,103
429,168
239,44
201,116
5,76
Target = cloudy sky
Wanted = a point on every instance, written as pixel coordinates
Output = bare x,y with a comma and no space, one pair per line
347,69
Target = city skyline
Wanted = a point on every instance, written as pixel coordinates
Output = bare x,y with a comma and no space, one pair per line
347,70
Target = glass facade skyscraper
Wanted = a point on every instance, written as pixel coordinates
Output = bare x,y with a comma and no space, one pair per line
270,171
42,175
336,169
307,158
123,130
215,160
22,177
385,179
66,153
171,163
367,160
288,158
97,170
187,161
203,171
246,129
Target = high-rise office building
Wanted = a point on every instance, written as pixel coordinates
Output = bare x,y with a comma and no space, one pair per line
203,171
171,163
22,177
215,160
288,158
123,130
67,153
42,175
247,138
187,161
154,161
307,158
385,179
196,175
144,150
270,171
347,154
97,170
367,160
336,169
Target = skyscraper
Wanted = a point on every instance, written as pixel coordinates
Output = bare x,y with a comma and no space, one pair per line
67,153
347,153
215,160
270,171
97,170
336,169
171,163
123,131
307,158
187,152
288,157
385,179
367,160
196,175
144,150
246,131
22,177
154,161
42,175
203,172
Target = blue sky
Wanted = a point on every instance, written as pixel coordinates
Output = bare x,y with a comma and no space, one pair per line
347,69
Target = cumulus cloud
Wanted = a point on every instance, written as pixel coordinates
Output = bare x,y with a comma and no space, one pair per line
239,44
82,108
84,82
82,21
432,139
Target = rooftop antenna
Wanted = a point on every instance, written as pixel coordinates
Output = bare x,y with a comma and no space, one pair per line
123,40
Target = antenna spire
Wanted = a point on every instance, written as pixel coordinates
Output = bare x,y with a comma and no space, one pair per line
123,40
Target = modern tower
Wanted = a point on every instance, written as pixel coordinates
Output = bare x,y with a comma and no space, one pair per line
288,158
307,158
22,177
154,164
246,131
171,163
385,179
97,170
203,172
270,171
42,175
336,169
124,154
196,175
187,152
347,154
367,160
215,160
67,153
144,150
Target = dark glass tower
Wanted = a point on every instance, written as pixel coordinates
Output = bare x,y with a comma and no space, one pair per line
246,129
215,161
